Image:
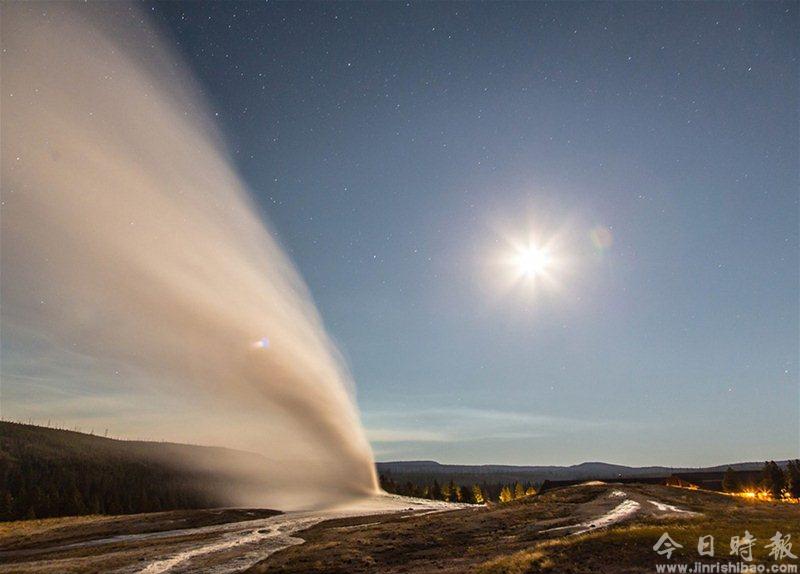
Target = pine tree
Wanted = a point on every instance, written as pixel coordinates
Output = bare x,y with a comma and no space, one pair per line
455,494
519,491
766,477
436,491
445,492
729,481
477,494
793,482
505,494
778,481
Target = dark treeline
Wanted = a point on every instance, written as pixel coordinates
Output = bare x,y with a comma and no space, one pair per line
450,491
776,482
42,489
47,472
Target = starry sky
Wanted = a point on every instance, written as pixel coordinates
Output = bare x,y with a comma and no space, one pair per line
399,149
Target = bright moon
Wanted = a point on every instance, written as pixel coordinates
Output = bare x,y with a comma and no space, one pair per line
532,261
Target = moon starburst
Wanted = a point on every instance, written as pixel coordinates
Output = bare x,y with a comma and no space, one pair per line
532,261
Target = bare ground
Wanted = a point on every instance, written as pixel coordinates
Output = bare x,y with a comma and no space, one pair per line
557,532
579,530
87,544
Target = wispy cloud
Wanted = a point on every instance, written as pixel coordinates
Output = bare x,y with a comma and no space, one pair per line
406,435
460,424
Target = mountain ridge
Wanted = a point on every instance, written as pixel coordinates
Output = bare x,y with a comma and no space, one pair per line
588,469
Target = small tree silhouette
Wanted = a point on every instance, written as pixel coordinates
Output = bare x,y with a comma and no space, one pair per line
729,481
793,475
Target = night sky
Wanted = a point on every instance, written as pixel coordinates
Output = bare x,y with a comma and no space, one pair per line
398,148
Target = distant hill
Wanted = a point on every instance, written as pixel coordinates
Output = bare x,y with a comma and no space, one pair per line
421,471
47,472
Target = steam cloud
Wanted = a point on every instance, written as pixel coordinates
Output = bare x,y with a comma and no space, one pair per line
137,275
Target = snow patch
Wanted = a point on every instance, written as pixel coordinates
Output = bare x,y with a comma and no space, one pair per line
669,508
623,510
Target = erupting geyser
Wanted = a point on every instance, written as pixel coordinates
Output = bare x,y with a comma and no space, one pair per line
140,289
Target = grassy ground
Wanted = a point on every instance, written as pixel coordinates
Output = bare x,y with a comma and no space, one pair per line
628,547
512,538
447,541
531,535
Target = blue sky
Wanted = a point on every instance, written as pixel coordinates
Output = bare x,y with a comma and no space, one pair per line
397,147
402,151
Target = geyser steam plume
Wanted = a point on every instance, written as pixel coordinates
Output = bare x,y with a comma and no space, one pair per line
140,289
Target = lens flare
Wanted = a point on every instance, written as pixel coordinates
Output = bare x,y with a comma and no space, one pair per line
601,237
262,343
